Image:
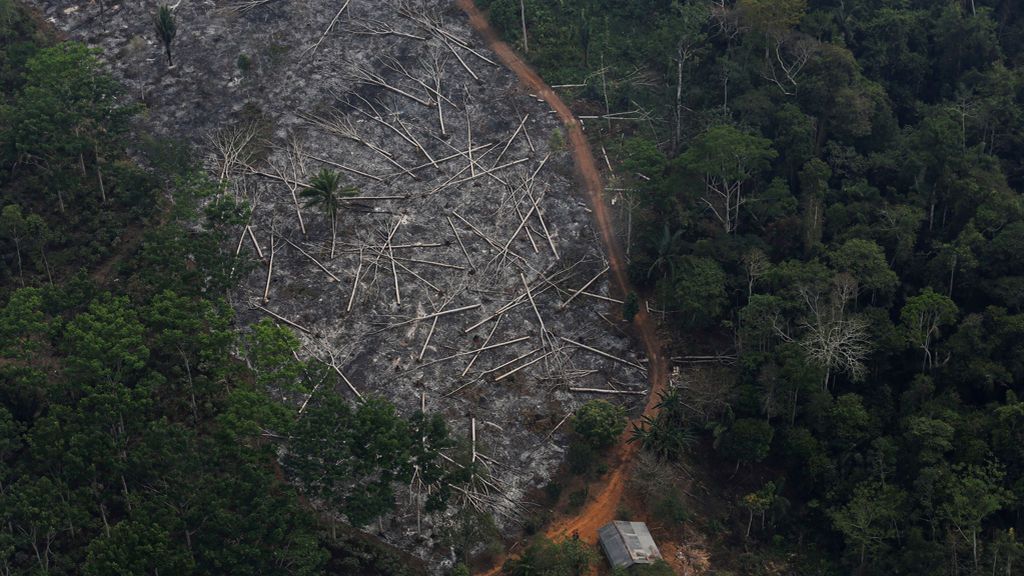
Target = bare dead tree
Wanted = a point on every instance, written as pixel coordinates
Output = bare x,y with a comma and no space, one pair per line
832,338
785,61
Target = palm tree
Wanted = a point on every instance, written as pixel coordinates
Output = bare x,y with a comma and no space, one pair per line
166,29
668,248
325,192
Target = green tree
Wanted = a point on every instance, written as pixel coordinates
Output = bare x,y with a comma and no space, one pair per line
599,423
325,192
23,325
368,449
106,343
747,441
569,557
869,518
271,351
727,158
166,29
758,503
695,291
865,261
974,494
773,16
69,107
21,230
136,548
667,436
922,319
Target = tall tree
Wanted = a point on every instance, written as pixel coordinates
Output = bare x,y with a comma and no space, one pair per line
833,338
869,518
325,192
166,29
67,110
727,158
922,318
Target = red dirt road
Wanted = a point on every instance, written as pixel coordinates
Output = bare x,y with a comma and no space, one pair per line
604,502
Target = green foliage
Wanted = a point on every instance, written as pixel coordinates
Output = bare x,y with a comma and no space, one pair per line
773,16
106,343
747,441
697,290
326,192
836,188
581,457
667,436
67,106
869,519
865,261
166,29
550,558
922,318
599,423
658,568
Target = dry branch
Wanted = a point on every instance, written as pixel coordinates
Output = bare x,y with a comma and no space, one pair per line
281,318
486,342
605,354
607,391
584,287
328,30
315,261
461,245
355,283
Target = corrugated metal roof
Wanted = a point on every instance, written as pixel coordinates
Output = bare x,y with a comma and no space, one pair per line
628,543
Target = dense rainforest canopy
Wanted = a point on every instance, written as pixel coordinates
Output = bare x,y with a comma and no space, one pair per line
831,191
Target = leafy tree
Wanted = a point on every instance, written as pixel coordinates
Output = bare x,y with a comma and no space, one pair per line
22,324
599,423
166,29
367,448
106,343
270,351
136,548
21,230
850,422
747,441
67,109
667,436
758,503
869,518
666,254
325,192
696,290
569,557
727,158
974,493
865,261
773,16
922,318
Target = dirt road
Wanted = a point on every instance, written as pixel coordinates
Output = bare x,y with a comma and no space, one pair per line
605,498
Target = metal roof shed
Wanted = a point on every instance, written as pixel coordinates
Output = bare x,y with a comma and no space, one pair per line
627,544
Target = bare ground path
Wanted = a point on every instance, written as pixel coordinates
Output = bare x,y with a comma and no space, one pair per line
606,497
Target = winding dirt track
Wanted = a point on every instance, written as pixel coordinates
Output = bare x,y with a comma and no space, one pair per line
604,498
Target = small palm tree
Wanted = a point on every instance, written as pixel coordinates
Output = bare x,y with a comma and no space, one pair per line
325,193
668,248
166,29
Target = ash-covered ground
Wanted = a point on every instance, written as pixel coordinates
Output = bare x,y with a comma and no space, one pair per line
450,280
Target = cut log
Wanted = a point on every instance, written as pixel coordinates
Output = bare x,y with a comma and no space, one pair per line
607,391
